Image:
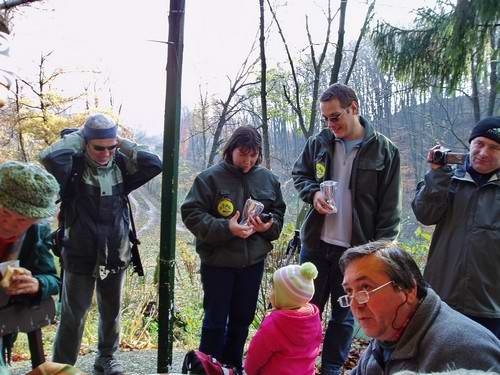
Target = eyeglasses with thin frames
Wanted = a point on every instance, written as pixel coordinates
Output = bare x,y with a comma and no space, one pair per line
361,297
103,148
335,118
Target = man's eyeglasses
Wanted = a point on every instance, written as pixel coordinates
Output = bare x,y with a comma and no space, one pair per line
103,148
334,118
361,297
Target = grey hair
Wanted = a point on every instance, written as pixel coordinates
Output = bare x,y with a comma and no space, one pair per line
343,93
399,265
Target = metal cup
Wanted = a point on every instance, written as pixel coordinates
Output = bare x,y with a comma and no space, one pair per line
328,190
252,208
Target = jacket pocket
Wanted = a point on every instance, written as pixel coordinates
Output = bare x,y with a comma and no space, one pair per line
368,175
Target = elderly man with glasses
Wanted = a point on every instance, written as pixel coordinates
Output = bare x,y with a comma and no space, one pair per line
365,166
412,329
96,170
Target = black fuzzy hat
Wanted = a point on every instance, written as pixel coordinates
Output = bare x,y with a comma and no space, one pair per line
488,127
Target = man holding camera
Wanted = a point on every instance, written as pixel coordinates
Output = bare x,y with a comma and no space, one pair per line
464,204
96,170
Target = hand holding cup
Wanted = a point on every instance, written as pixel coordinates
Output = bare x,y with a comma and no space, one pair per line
328,191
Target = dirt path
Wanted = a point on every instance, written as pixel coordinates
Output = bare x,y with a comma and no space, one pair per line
150,211
135,362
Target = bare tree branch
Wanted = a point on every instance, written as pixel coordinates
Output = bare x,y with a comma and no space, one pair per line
368,18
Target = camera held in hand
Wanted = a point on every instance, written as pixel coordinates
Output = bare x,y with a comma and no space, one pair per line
265,218
443,156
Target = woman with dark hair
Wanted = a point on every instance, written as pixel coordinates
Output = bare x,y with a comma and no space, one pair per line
232,254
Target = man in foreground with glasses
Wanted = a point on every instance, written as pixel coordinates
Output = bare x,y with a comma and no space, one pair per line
411,327
96,170
365,165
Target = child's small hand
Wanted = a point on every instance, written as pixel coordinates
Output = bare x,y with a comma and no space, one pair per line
258,225
242,231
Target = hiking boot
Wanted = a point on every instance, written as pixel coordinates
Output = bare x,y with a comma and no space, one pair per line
108,366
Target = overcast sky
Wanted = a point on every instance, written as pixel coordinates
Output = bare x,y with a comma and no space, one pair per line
119,42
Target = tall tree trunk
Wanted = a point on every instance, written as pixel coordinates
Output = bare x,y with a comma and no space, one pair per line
232,104
334,77
216,141
368,17
263,89
294,99
317,65
295,102
387,96
22,148
204,125
475,91
495,46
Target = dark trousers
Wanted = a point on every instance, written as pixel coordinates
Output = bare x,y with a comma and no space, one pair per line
328,286
493,324
230,300
77,291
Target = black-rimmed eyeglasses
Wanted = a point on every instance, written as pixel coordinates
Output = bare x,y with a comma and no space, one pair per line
361,297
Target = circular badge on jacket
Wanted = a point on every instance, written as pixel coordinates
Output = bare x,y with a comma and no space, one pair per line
320,170
225,207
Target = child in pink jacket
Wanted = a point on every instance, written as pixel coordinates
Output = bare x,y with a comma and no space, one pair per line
289,338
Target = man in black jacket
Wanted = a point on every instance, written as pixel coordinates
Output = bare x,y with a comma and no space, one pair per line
464,204
365,165
95,242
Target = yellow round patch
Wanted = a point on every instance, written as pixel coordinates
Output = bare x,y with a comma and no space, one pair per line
320,170
225,207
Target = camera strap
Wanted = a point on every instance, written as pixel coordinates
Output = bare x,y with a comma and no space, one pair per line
135,256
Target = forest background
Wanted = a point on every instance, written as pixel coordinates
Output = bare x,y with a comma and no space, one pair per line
420,84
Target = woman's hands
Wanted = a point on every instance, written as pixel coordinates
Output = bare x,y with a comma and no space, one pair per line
239,230
245,231
259,225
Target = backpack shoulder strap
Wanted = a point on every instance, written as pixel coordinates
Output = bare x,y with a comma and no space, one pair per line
75,177
70,189
121,162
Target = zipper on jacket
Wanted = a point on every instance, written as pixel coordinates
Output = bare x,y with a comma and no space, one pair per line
246,195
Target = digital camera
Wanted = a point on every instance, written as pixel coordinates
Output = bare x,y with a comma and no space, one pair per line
443,156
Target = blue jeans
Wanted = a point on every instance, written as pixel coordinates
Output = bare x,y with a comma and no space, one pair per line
230,299
492,324
328,285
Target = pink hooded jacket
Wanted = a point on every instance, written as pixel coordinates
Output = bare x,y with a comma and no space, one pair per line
287,343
